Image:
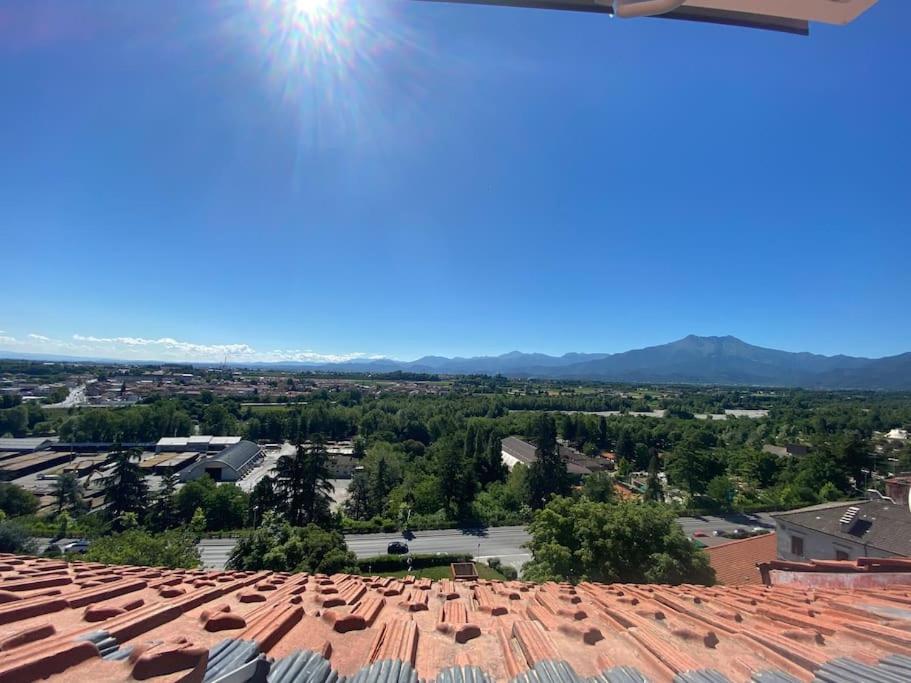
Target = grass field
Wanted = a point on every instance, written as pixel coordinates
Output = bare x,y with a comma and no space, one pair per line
442,572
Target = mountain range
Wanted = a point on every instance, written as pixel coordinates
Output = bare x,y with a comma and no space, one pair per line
691,360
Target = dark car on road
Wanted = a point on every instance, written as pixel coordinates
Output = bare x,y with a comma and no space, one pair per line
397,548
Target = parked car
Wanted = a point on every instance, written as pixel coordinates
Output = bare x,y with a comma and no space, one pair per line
81,546
720,532
699,534
397,548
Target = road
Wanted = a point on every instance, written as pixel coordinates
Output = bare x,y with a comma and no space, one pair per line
504,542
76,397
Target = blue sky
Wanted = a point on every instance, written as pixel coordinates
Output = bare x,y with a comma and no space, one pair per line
185,180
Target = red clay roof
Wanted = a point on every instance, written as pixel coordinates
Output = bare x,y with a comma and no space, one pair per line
735,563
57,620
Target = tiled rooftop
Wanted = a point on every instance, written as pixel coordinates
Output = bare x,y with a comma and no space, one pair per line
736,563
91,622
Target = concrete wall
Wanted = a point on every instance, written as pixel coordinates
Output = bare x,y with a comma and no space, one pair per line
819,546
839,581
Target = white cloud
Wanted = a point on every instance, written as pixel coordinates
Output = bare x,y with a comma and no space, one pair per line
169,345
169,349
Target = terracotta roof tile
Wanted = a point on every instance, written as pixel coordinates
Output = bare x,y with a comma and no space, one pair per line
207,627
735,563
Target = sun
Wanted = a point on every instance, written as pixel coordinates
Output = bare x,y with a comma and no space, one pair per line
313,10
312,5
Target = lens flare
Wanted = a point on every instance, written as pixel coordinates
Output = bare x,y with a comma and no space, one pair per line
324,57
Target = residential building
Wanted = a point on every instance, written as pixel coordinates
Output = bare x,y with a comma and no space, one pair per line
737,563
845,531
897,434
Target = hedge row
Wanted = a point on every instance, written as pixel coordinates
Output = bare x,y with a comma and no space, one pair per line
394,563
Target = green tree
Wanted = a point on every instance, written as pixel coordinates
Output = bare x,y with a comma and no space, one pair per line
488,463
264,498
15,538
172,549
625,448
653,492
164,513
125,488
198,522
457,486
358,504
761,469
624,468
278,546
603,437
195,495
829,492
15,501
580,540
599,487
693,467
303,482
722,490
67,492
547,476
218,421
227,508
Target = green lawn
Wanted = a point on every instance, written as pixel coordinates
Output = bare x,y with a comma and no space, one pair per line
442,572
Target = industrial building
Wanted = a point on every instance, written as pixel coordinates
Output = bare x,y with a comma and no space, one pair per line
26,445
20,465
231,464
198,443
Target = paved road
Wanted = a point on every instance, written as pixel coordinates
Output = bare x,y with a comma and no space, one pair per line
76,397
504,542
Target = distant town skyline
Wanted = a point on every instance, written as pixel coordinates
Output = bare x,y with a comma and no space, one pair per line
185,181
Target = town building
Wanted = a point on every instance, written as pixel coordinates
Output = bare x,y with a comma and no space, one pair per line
845,531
